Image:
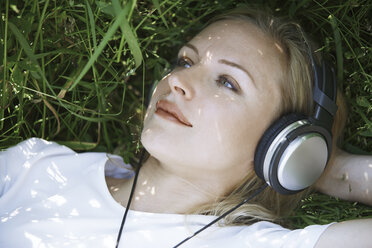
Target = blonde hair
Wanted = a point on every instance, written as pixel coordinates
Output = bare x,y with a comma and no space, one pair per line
296,86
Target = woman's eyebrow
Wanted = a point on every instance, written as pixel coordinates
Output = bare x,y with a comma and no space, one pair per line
226,62
192,47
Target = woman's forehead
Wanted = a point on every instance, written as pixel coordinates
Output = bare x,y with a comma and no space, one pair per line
230,31
236,35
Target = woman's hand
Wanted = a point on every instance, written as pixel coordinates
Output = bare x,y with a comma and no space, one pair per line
348,176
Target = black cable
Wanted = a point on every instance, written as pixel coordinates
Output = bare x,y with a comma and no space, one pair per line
138,167
254,194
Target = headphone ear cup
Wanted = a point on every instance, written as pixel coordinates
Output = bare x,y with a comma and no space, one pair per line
292,154
268,137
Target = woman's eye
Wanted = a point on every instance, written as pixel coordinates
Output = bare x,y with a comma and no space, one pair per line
226,82
184,62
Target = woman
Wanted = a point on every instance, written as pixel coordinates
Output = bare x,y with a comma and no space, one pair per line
201,130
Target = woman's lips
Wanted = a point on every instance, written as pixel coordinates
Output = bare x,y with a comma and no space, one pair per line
170,111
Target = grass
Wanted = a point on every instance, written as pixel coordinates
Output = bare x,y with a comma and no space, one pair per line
319,209
78,72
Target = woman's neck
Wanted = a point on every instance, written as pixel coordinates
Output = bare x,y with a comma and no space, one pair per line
159,190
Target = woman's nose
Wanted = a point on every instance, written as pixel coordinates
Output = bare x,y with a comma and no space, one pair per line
181,87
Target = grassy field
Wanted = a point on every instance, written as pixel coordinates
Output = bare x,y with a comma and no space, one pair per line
78,72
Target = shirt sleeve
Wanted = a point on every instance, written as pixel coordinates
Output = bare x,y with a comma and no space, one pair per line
268,234
16,160
306,237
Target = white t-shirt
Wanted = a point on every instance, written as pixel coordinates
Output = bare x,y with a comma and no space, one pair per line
51,196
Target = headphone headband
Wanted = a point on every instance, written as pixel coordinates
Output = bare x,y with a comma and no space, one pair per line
324,93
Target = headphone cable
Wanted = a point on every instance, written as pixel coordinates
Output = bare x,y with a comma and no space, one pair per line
138,167
254,194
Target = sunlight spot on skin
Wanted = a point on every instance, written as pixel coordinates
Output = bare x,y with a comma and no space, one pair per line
156,89
260,52
199,111
114,189
366,176
209,56
166,76
345,177
148,131
279,47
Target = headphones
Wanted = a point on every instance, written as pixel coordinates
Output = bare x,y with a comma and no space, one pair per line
293,152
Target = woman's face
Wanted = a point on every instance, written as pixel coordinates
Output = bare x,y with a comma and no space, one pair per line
210,112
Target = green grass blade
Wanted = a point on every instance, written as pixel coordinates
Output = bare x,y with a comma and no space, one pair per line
4,84
30,54
79,146
157,6
92,24
40,24
129,35
106,38
23,42
339,56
